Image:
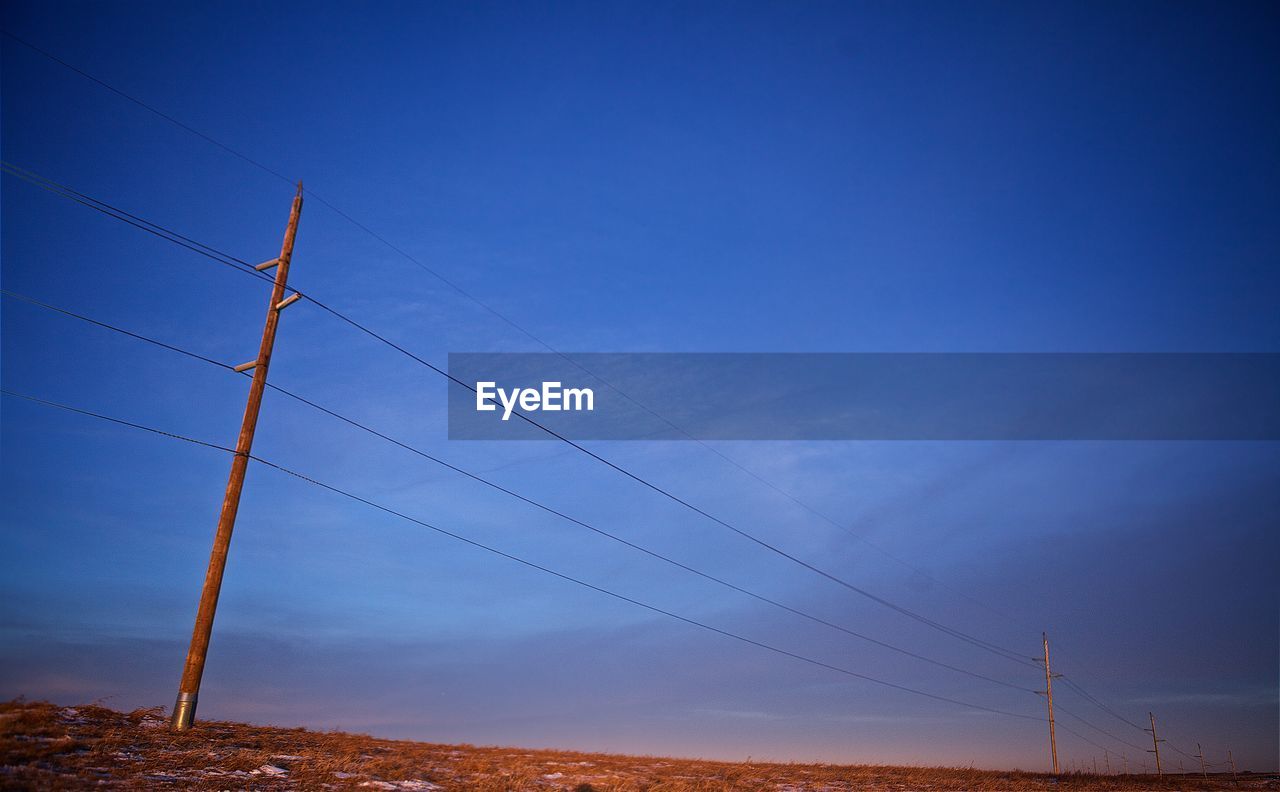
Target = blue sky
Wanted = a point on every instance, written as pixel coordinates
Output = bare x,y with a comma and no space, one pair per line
641,177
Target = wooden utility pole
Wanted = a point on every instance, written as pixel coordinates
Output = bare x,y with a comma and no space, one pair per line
1106,758
1200,753
1231,761
184,709
1155,744
1048,694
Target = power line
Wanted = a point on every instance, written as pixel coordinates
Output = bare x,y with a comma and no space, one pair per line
1087,695
178,239
518,496
1093,700
1099,729
119,421
229,260
531,564
1070,730
507,320
147,107
955,633
155,229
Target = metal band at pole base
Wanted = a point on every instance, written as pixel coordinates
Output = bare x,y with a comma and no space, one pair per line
184,712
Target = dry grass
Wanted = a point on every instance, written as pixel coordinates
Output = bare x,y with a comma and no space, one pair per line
43,746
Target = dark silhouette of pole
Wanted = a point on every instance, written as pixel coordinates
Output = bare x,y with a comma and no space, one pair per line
184,710
1200,752
1048,694
1155,744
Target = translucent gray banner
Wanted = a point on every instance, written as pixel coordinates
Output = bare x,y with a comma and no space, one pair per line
885,396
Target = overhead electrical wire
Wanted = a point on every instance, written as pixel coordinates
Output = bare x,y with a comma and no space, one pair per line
1058,708
1100,705
510,322
140,223
227,259
1088,696
531,564
204,250
246,266
1070,730
178,239
556,512
505,490
304,400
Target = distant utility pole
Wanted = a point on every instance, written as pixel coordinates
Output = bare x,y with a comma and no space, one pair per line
1106,758
1231,761
1155,743
184,710
1048,694
1200,753
1095,765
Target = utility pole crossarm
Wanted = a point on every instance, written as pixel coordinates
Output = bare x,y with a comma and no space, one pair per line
184,709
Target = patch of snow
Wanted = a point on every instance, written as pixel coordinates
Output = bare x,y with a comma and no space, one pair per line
272,770
553,776
340,774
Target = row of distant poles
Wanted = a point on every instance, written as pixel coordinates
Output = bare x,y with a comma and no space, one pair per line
1080,768
184,710
1049,676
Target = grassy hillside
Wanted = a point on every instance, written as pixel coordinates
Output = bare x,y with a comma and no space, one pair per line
44,746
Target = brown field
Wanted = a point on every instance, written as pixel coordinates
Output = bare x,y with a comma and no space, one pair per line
44,746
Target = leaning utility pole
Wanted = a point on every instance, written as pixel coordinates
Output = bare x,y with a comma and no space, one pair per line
184,709
1048,694
1155,743
1200,753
